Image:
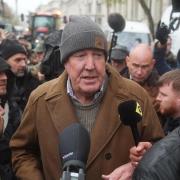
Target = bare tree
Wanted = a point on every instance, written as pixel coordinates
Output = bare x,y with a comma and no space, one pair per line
8,14
147,11
2,8
144,6
109,3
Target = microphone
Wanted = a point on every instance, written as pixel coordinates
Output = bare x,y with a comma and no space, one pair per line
117,23
130,113
74,149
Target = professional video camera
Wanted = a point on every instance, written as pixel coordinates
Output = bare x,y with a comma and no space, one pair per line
51,66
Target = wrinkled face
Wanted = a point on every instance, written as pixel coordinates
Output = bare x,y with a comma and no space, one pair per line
169,100
3,83
86,70
18,64
139,67
119,66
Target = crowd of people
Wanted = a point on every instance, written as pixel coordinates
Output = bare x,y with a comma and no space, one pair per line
67,79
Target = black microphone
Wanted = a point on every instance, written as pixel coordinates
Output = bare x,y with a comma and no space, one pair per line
74,149
130,113
117,23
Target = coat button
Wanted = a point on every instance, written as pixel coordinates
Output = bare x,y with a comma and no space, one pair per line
108,156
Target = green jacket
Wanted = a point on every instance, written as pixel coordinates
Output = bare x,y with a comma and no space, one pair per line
35,144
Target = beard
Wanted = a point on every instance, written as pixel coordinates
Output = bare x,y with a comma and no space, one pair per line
20,74
170,111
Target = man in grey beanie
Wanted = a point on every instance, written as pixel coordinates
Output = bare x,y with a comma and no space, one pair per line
87,92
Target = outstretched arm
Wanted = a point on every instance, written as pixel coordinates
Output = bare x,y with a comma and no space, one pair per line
125,171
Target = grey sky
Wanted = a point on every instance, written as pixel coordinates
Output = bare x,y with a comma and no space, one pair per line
25,6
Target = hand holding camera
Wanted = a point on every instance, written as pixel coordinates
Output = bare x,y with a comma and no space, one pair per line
162,33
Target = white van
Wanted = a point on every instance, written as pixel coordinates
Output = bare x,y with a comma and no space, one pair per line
133,33
175,35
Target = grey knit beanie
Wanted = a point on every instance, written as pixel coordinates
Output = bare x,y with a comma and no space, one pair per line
81,33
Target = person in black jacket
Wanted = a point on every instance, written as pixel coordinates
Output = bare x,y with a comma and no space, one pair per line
169,99
19,86
162,161
3,89
20,81
6,126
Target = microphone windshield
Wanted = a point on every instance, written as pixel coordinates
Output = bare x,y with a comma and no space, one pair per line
130,112
116,22
74,146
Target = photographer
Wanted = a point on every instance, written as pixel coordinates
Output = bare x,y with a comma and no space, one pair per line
6,126
160,48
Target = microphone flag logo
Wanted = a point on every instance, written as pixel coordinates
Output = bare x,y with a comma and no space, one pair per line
138,109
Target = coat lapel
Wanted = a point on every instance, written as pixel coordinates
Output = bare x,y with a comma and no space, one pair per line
59,105
107,121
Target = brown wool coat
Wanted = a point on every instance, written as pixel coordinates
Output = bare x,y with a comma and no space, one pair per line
49,110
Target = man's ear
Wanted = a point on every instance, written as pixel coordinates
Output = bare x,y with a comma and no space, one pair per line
178,100
153,62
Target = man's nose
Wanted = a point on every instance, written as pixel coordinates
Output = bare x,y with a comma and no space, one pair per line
139,70
158,97
4,76
89,62
23,63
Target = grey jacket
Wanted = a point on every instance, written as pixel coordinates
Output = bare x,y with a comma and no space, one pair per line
162,161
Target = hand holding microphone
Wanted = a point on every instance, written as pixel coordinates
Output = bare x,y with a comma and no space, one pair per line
137,152
130,113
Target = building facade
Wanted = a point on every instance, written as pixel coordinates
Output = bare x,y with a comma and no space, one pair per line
99,10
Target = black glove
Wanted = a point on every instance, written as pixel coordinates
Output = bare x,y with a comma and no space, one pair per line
162,33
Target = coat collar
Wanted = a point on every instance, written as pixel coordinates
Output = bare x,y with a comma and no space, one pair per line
59,104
